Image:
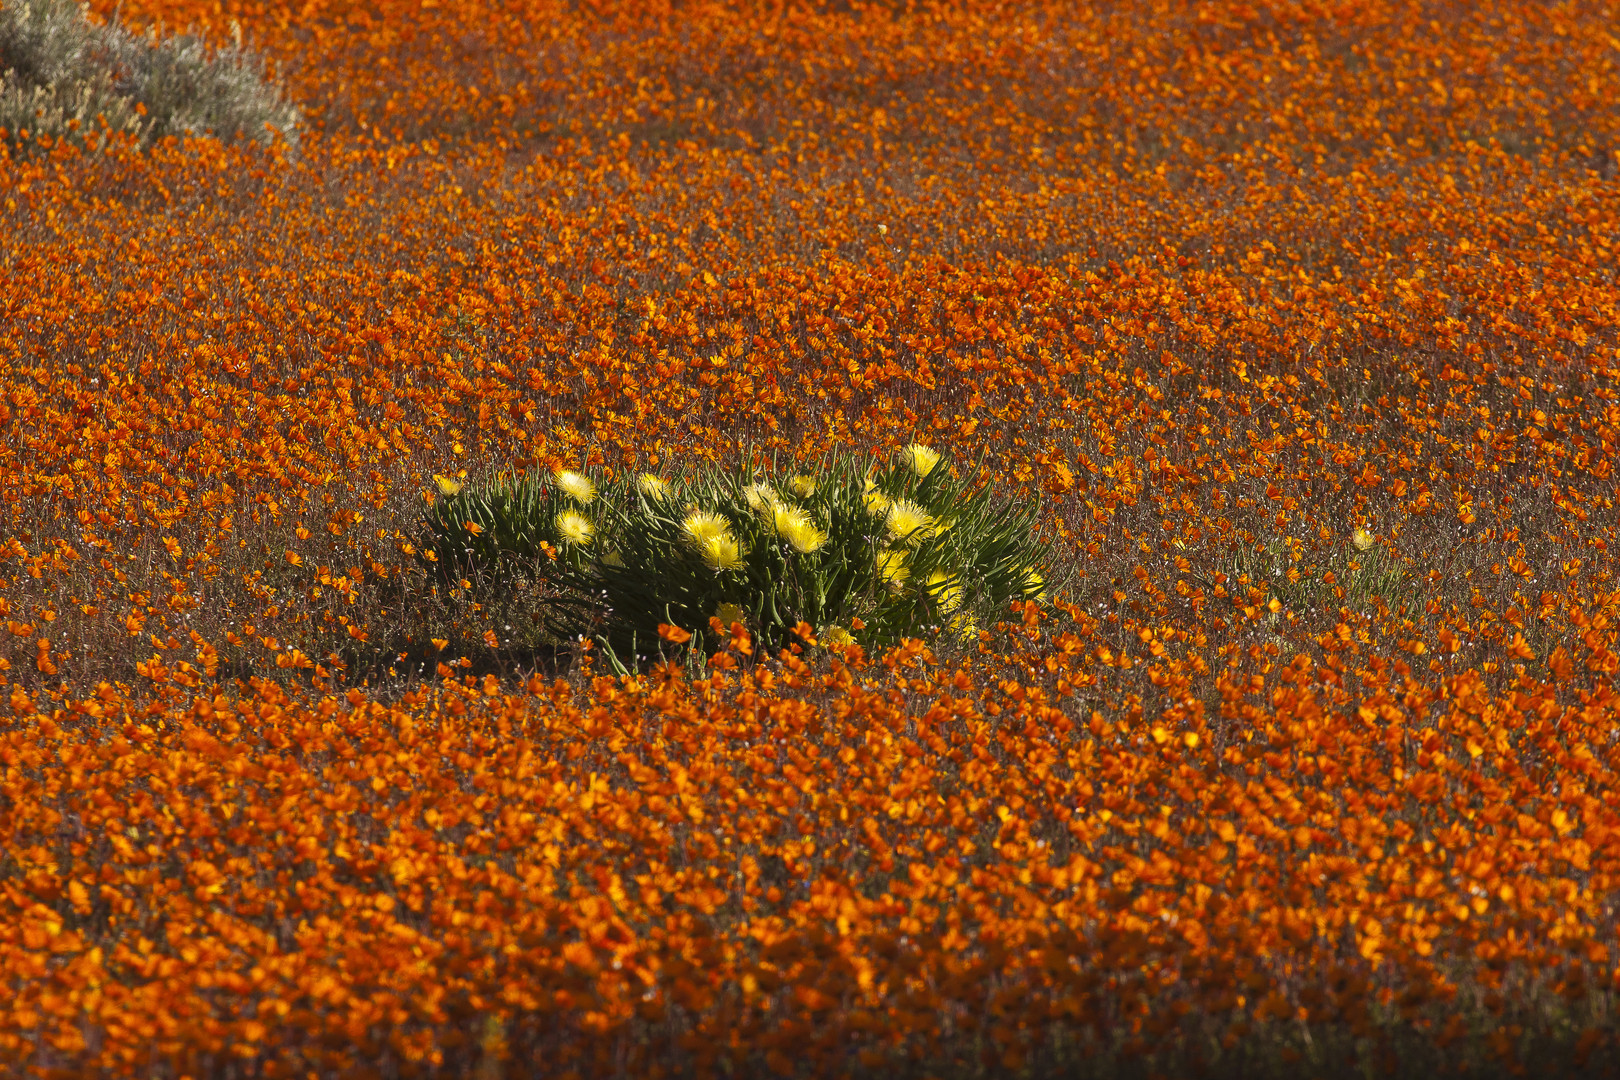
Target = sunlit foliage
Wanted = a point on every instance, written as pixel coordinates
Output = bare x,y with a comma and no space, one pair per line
874,554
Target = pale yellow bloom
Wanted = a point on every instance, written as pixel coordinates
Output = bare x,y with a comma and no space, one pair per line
794,526
836,635
921,459
574,527
701,526
909,523
652,486
761,497
892,569
803,486
729,613
963,626
1032,583
1362,539
576,486
876,502
944,590
447,485
722,552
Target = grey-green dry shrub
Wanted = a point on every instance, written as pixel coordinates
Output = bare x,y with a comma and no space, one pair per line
867,556
64,78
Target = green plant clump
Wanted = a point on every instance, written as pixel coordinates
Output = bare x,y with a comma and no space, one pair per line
1350,574
861,556
63,78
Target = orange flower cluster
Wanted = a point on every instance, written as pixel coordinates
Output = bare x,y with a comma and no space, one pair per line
1300,319
874,864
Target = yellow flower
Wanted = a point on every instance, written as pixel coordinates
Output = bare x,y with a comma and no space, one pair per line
1362,539
1032,583
722,552
876,502
909,522
574,527
794,526
447,485
729,613
803,486
921,459
761,497
944,590
575,485
892,569
963,626
836,635
651,486
701,526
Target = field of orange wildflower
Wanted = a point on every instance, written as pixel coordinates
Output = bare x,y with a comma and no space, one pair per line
1296,320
